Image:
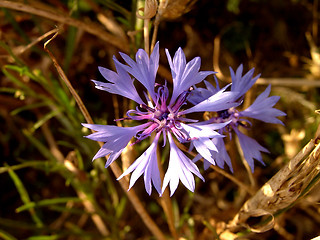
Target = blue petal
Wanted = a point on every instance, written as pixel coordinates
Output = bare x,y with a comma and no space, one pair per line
262,108
180,168
251,148
198,95
115,138
144,69
221,157
147,164
184,74
217,102
121,83
241,84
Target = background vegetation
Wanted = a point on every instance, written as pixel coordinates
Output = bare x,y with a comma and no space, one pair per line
50,187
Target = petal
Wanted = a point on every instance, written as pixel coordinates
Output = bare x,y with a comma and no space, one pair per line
144,69
241,84
221,157
180,168
121,83
115,138
251,148
217,102
204,148
184,74
146,164
262,108
200,135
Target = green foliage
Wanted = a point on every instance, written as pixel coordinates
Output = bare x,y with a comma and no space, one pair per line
53,106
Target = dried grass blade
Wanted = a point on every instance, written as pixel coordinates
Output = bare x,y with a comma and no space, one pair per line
91,28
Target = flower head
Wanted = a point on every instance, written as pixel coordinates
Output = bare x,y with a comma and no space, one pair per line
261,109
160,114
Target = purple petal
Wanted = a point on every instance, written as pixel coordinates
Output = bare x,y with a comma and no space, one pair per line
217,102
147,164
200,135
221,157
262,108
121,83
196,130
241,84
144,69
198,95
251,148
115,138
184,74
180,168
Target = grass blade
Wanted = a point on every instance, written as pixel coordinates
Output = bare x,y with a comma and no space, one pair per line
46,202
24,196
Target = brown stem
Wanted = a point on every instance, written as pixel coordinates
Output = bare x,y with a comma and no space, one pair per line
166,202
221,171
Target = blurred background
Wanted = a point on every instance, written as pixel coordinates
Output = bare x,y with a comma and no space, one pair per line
50,187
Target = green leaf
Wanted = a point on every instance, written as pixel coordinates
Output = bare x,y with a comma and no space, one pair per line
29,107
35,164
46,202
8,90
70,46
43,237
6,236
39,145
121,207
76,211
24,195
14,79
6,222
44,119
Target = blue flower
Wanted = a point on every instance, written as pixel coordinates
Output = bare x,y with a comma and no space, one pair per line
261,109
161,115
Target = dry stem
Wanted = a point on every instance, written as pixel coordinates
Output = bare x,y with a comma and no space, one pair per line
282,190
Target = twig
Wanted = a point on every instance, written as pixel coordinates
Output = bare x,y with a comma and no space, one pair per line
87,204
114,166
166,202
67,82
161,7
155,31
146,35
90,27
246,165
19,50
233,179
52,143
216,54
221,171
95,217
290,82
137,204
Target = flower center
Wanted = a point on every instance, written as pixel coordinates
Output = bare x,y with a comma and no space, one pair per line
161,117
224,114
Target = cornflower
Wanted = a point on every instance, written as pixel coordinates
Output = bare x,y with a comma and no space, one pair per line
261,109
160,115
